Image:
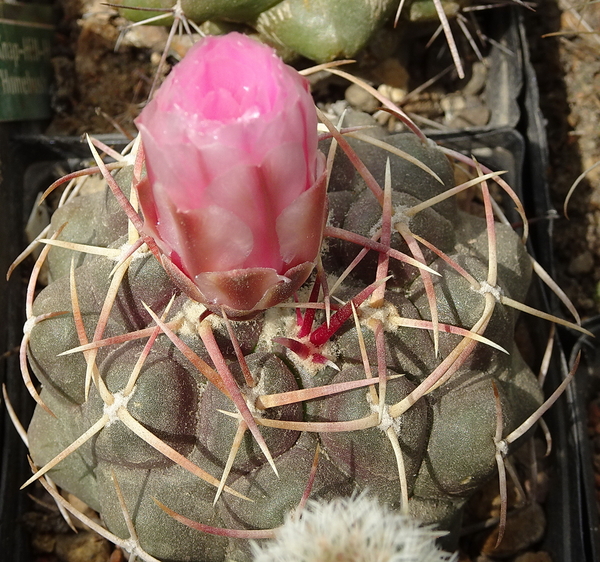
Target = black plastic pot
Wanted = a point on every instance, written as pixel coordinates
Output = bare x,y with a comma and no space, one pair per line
578,398
13,462
572,515
505,78
25,38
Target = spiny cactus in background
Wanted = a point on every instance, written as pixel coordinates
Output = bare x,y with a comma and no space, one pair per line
191,400
321,30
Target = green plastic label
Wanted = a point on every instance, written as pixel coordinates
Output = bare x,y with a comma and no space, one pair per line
26,34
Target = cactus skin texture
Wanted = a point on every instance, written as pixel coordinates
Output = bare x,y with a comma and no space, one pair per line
321,30
445,440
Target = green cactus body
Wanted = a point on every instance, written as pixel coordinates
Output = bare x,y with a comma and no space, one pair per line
321,30
199,10
437,452
424,10
324,30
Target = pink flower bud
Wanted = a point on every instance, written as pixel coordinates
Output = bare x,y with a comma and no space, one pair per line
235,192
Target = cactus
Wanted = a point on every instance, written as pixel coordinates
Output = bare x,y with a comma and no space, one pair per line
193,429
351,529
321,30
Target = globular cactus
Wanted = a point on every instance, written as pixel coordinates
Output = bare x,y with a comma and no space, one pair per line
392,369
321,30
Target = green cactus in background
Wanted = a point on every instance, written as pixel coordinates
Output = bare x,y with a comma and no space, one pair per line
321,30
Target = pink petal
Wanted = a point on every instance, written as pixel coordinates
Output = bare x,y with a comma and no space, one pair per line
211,239
300,226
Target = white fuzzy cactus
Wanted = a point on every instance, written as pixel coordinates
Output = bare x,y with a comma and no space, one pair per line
354,529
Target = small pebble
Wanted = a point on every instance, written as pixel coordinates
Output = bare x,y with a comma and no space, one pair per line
394,94
464,111
478,79
453,103
360,100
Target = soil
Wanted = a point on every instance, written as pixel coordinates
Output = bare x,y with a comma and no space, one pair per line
85,62
568,69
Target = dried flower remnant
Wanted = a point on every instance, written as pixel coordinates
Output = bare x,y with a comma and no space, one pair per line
235,193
